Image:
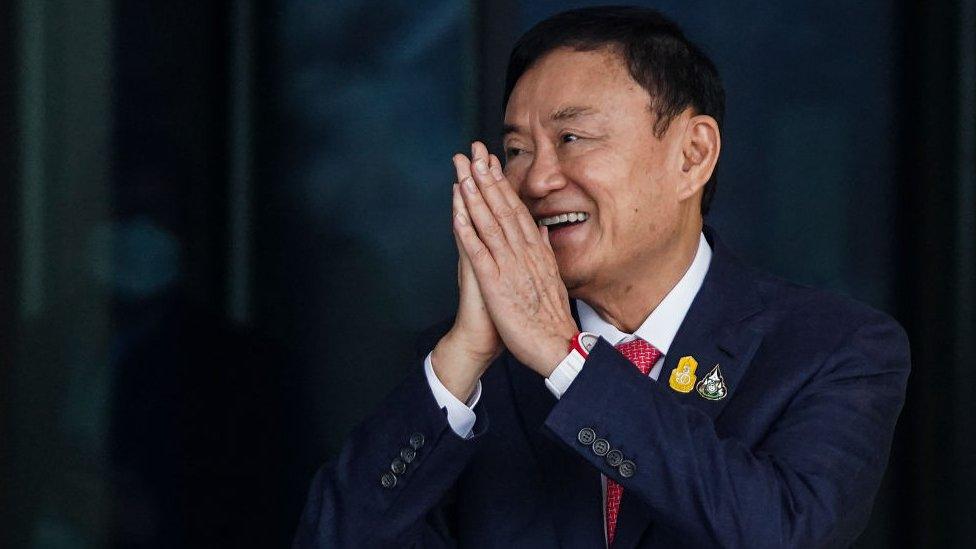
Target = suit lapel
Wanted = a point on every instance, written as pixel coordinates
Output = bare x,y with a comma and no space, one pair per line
573,487
715,331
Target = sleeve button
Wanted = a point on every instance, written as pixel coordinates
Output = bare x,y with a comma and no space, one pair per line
416,441
627,468
398,466
388,480
407,454
615,458
601,446
586,436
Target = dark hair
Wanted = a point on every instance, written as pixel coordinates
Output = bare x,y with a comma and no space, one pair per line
674,71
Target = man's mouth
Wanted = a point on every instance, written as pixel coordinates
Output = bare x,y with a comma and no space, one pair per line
563,220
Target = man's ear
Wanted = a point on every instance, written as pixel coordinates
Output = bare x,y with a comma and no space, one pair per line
700,147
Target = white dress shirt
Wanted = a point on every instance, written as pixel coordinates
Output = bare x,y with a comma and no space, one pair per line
658,329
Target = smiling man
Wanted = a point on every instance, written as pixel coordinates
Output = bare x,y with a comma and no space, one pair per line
614,376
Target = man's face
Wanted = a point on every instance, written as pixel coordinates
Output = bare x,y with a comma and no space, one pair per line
580,139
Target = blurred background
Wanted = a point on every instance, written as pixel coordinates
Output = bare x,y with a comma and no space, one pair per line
207,208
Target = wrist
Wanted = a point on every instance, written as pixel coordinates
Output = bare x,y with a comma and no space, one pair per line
558,349
559,380
456,368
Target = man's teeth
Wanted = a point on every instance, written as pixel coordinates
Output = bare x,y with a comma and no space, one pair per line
563,218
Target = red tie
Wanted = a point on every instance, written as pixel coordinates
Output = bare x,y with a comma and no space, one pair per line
643,355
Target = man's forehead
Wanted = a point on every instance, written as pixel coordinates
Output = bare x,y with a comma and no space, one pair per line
568,84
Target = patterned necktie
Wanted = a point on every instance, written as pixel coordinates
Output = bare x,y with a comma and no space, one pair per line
643,355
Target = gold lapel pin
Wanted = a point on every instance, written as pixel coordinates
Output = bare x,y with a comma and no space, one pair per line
683,376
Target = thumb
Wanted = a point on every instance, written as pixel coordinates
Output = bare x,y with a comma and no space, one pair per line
467,281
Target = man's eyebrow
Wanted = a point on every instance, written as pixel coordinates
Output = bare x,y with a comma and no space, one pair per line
571,112
565,113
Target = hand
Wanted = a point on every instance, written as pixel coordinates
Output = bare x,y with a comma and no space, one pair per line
515,266
466,351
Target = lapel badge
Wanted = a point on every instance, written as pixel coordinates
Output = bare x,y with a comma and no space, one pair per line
712,386
683,376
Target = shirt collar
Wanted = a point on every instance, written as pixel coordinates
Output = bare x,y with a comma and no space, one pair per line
660,327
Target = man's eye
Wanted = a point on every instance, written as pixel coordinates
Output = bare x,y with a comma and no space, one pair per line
569,137
512,152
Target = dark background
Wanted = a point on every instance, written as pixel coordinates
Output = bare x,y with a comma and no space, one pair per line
208,208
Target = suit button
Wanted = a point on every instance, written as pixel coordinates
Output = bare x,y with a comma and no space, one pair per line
398,466
627,468
407,454
388,480
615,458
416,440
586,436
601,447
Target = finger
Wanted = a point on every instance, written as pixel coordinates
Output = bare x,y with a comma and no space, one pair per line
484,223
465,270
462,167
467,282
496,171
469,291
544,235
500,183
457,205
482,261
524,217
505,212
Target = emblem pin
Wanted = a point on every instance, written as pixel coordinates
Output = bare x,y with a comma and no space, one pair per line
683,376
712,386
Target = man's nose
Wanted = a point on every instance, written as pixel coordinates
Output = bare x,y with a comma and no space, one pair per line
545,174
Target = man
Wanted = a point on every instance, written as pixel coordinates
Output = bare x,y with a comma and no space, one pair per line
614,376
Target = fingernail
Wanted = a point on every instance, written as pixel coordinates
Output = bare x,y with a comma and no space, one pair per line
480,166
462,221
470,186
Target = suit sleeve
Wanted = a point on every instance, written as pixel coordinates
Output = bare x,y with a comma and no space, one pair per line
821,459
358,500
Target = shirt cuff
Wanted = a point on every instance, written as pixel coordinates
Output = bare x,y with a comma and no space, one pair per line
562,377
460,415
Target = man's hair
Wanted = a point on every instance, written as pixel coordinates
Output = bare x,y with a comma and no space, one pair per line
675,73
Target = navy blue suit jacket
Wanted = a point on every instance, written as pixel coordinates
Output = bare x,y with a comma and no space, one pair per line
791,457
